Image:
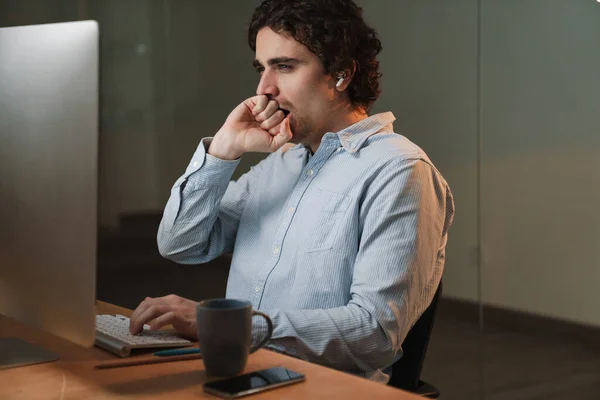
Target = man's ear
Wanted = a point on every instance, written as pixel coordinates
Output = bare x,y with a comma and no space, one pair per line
344,77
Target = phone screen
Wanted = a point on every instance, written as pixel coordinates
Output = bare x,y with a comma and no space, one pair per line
253,382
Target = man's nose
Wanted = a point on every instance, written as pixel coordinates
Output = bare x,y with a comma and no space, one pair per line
267,85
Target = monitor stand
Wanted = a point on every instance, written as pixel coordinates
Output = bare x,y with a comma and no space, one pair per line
17,353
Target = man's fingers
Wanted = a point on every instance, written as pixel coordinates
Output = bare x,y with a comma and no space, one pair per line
273,121
260,104
165,319
269,110
285,129
148,301
284,135
154,311
274,130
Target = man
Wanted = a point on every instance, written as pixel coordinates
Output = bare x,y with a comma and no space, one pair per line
339,238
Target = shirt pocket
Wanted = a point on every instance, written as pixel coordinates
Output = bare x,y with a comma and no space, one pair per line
329,211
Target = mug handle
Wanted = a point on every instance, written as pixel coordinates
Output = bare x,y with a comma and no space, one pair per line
269,333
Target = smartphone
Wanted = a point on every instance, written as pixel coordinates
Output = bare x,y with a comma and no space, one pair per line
252,382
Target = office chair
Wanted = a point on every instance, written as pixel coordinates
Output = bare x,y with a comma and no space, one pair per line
406,372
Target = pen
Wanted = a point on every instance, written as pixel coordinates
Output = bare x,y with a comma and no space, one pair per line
177,352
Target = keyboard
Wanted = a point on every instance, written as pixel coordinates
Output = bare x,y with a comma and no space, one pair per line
112,334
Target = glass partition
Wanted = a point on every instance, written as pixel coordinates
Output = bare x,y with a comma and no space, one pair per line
539,104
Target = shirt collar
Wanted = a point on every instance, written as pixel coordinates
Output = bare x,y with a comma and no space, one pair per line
353,137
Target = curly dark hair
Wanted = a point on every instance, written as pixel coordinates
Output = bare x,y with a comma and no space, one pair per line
335,31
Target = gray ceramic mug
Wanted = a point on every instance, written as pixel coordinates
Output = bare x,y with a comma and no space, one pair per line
224,328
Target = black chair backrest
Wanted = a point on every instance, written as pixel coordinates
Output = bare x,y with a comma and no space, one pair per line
406,372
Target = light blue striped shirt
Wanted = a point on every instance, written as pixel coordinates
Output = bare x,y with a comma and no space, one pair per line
343,249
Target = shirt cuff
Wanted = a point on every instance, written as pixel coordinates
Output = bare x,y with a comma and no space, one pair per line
214,170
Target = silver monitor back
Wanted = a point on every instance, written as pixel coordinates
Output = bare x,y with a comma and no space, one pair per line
48,176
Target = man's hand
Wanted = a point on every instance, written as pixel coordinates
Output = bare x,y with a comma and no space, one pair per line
256,125
161,311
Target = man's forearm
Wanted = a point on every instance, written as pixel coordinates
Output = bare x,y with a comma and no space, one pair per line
346,338
196,234
194,229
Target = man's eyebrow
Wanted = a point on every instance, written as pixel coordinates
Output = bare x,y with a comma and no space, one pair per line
277,60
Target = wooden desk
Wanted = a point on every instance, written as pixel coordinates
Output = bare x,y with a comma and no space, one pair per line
73,376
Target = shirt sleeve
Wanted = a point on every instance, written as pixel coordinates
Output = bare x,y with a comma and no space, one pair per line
202,214
404,220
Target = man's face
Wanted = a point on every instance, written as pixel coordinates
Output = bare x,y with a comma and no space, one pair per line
294,77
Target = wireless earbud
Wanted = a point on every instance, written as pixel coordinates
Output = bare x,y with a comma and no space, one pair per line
341,78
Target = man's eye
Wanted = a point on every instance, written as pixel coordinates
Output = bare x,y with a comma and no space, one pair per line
284,67
260,70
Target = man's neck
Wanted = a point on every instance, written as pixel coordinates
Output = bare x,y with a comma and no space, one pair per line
339,122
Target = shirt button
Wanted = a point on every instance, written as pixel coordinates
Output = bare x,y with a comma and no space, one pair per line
309,172
276,250
257,289
195,163
291,210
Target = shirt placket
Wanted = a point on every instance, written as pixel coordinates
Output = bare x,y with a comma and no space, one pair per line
308,174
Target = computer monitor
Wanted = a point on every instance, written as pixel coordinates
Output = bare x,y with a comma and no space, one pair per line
49,176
